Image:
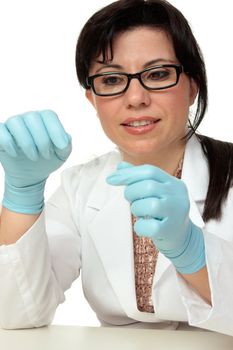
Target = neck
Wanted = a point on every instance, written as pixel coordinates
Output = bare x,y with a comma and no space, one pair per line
166,160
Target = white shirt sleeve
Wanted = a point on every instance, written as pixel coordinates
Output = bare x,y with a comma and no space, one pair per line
40,266
219,262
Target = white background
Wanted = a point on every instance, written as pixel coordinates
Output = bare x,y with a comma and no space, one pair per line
37,71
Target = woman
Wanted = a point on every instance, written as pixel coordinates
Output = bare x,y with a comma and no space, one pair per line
150,223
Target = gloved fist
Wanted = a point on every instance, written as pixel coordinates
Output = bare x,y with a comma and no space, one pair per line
161,204
32,146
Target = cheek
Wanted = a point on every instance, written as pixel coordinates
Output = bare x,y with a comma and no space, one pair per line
179,104
107,111
102,114
106,118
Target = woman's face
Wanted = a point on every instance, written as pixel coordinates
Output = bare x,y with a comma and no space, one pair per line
166,110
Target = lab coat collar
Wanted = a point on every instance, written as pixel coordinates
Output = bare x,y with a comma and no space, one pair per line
195,172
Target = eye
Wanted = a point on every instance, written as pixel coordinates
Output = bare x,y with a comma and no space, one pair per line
158,74
111,80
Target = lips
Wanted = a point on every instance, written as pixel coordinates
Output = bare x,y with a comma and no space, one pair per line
138,122
140,126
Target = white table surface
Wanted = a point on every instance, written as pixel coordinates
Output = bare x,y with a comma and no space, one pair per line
100,338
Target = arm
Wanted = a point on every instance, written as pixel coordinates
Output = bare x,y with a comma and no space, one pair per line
13,225
32,284
32,145
199,281
42,264
219,260
211,248
161,204
197,311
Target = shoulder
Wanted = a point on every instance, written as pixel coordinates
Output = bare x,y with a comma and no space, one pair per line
211,145
215,152
219,156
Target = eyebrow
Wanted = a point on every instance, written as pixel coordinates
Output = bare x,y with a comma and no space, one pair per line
146,65
159,60
116,66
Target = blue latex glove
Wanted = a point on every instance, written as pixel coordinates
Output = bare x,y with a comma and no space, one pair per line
161,204
32,146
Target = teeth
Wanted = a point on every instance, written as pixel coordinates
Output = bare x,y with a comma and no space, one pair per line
141,123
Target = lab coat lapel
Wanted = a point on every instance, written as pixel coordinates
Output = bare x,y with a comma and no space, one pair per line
111,231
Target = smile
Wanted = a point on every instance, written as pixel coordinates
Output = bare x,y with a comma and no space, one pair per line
140,123
140,126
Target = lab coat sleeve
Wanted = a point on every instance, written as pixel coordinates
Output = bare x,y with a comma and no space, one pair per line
37,269
219,262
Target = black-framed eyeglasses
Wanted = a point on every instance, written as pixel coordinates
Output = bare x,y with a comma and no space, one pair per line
154,78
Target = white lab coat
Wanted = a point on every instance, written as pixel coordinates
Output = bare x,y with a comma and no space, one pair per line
87,225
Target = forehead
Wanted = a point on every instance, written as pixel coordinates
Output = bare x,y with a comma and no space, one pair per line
137,46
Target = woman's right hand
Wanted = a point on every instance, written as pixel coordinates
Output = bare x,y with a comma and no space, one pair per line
32,146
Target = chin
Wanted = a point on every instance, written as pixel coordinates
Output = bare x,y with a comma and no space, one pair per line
143,148
138,154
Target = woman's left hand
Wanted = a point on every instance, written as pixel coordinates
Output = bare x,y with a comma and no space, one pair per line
161,204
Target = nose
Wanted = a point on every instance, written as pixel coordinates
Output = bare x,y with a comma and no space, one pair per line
136,95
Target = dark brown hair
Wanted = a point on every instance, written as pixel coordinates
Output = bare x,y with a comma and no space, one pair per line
220,161
100,30
96,38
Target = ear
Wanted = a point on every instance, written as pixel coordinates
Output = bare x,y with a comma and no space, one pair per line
193,91
90,97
